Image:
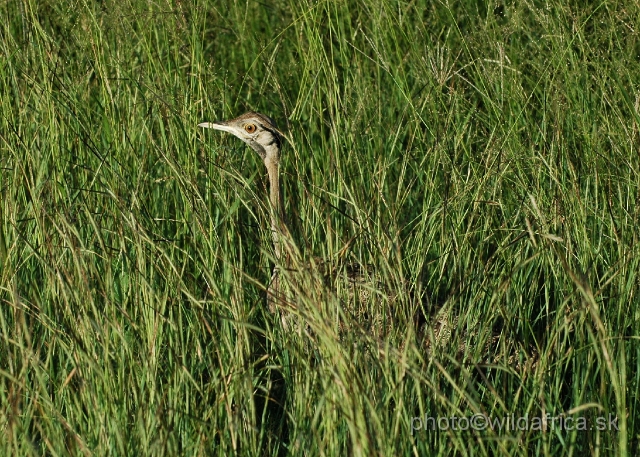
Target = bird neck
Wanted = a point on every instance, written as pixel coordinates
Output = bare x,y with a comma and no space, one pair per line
277,222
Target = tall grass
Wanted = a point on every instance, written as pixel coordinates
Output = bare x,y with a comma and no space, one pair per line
483,157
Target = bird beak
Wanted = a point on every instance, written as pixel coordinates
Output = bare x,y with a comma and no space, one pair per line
217,125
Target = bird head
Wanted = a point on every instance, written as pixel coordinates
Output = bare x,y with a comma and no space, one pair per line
255,129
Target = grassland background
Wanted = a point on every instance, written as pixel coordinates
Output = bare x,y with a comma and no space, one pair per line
488,156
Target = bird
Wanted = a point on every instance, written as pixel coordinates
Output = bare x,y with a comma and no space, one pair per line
261,134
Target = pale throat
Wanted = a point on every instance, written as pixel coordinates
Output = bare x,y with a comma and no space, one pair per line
272,162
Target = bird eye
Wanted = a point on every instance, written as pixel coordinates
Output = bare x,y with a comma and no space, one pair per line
250,128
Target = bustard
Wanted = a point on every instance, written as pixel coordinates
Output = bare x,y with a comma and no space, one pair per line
262,135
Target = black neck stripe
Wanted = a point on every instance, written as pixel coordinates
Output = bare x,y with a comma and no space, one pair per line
275,135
